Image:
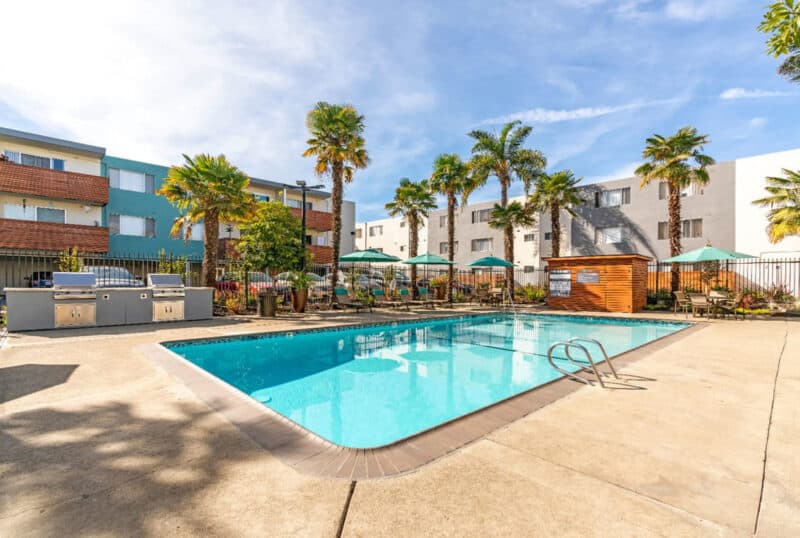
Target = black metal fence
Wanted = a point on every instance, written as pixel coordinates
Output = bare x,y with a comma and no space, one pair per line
32,268
756,274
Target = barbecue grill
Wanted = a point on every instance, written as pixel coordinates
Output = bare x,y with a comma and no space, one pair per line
168,296
75,297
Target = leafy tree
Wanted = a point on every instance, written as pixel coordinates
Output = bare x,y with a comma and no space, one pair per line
171,265
207,190
554,192
504,157
679,162
413,201
784,204
337,142
70,261
782,23
271,239
513,215
451,178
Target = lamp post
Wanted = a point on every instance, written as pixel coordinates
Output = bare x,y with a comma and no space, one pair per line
301,185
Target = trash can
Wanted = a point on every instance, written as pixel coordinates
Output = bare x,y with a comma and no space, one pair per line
266,305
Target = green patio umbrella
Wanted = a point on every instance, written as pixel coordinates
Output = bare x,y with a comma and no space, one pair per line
426,260
491,261
369,257
707,254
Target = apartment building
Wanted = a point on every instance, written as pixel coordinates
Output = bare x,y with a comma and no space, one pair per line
52,194
389,236
620,217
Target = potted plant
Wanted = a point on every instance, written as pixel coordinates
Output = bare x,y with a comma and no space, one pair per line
300,282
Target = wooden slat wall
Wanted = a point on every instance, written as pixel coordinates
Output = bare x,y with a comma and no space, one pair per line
622,286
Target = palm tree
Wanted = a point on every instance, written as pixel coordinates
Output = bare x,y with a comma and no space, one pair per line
413,201
782,23
790,68
679,162
504,157
513,215
554,192
209,190
451,178
784,204
338,144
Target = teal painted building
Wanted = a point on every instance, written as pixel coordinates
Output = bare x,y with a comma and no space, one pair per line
139,220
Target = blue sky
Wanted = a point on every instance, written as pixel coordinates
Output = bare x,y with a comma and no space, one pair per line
150,80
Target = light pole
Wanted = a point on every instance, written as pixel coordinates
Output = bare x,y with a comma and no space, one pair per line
301,185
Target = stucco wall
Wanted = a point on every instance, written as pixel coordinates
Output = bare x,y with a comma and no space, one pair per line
72,161
75,213
394,239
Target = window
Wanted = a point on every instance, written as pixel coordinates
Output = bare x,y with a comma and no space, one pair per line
359,233
548,236
402,224
376,230
442,221
692,190
198,232
613,197
612,235
691,228
58,164
443,247
529,237
47,214
528,269
262,197
297,204
482,245
402,248
308,240
12,156
135,226
481,215
35,160
127,180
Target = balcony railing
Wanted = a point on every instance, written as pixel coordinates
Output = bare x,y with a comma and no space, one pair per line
45,183
25,234
320,254
320,221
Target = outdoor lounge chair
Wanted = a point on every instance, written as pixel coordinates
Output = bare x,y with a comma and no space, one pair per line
682,302
405,297
382,300
343,300
699,304
429,296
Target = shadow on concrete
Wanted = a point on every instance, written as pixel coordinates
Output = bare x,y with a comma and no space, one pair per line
104,470
19,381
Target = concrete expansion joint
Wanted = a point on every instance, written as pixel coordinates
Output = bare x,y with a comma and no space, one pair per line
635,492
769,427
345,509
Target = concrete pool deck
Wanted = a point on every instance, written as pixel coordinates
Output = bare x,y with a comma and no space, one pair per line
95,438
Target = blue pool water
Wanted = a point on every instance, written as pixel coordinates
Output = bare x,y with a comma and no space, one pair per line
370,386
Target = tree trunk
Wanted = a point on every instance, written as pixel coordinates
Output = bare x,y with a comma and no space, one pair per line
508,234
555,230
451,241
336,196
675,233
211,225
413,240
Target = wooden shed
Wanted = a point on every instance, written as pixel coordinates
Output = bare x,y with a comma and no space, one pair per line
614,283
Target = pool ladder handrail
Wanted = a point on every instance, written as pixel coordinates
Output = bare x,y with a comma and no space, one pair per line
573,343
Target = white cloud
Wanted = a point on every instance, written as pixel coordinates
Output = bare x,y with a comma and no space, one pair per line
699,10
547,115
757,123
622,172
742,93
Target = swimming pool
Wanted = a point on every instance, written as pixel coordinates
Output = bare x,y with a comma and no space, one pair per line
369,386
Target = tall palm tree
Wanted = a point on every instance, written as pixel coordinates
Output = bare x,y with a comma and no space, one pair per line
554,192
513,215
451,178
782,23
679,162
790,68
208,190
784,204
413,201
337,142
504,157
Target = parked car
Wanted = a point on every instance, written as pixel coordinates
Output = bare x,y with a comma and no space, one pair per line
226,282
113,277
40,279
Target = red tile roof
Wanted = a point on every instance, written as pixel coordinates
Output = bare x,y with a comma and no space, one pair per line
24,234
56,184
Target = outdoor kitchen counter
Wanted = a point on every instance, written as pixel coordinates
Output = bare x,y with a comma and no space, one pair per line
31,309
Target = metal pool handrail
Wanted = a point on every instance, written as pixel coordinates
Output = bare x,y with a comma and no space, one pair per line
598,344
567,346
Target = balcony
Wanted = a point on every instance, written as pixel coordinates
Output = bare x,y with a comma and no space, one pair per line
45,183
320,221
31,235
320,254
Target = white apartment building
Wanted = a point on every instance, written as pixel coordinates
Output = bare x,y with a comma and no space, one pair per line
389,236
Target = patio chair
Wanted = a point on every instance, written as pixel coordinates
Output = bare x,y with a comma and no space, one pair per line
429,296
682,302
382,300
699,304
730,306
343,300
405,296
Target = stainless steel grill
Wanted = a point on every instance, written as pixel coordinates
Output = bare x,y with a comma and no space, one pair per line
165,285
74,286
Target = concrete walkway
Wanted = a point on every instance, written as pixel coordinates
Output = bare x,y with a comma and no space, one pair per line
97,440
